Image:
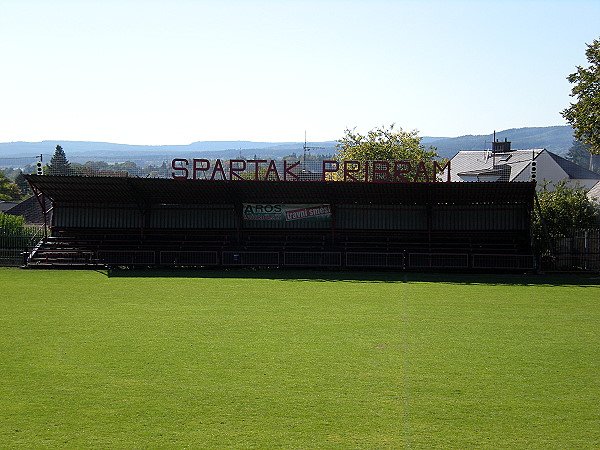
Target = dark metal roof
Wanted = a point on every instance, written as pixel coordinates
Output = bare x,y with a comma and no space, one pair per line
574,171
6,205
30,210
148,191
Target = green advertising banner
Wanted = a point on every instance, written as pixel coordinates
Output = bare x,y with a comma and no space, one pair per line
286,213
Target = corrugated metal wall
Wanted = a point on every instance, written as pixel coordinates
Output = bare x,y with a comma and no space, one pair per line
443,217
351,217
192,216
129,216
381,217
478,217
97,216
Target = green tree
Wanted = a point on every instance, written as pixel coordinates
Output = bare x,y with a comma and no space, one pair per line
584,114
15,226
16,235
128,166
59,164
387,144
562,209
579,154
97,165
8,189
23,184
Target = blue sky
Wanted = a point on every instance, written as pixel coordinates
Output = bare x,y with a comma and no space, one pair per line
179,71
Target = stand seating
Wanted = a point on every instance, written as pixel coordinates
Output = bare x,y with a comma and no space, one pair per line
321,248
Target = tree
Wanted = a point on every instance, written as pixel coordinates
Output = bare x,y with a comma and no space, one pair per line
23,185
584,114
562,210
579,154
128,166
16,236
8,189
59,164
15,226
383,144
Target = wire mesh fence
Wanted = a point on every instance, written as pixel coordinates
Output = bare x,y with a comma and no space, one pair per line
312,259
13,247
91,166
503,261
375,259
250,258
438,260
127,257
189,258
289,168
578,252
193,168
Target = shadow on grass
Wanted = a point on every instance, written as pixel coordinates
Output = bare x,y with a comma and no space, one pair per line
295,275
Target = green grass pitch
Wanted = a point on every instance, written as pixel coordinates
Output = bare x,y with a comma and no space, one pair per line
280,359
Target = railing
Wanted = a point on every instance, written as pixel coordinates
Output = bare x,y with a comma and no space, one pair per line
250,259
438,260
189,258
312,250
504,261
126,257
375,260
312,259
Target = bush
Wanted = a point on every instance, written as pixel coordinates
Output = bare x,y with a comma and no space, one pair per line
14,233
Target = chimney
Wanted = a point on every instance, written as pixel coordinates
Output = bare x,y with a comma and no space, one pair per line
501,147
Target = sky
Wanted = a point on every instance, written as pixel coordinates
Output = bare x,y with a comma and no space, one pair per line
159,72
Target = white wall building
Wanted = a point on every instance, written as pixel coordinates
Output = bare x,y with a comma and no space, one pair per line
516,165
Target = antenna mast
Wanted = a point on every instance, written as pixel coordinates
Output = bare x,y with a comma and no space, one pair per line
307,149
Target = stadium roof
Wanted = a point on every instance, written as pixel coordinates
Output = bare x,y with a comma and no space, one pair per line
151,191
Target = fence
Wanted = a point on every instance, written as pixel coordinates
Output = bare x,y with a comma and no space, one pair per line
12,247
578,252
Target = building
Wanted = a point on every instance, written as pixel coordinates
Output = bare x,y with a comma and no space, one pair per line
29,209
130,221
6,205
504,164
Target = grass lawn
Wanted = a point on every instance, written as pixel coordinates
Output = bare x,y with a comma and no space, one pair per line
280,359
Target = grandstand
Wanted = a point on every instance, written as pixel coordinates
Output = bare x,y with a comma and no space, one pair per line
129,221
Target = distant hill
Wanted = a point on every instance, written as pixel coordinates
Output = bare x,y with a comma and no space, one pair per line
557,139
82,151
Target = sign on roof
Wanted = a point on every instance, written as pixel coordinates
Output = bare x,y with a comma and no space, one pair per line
330,170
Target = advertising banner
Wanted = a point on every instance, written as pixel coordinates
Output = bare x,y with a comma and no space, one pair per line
286,212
